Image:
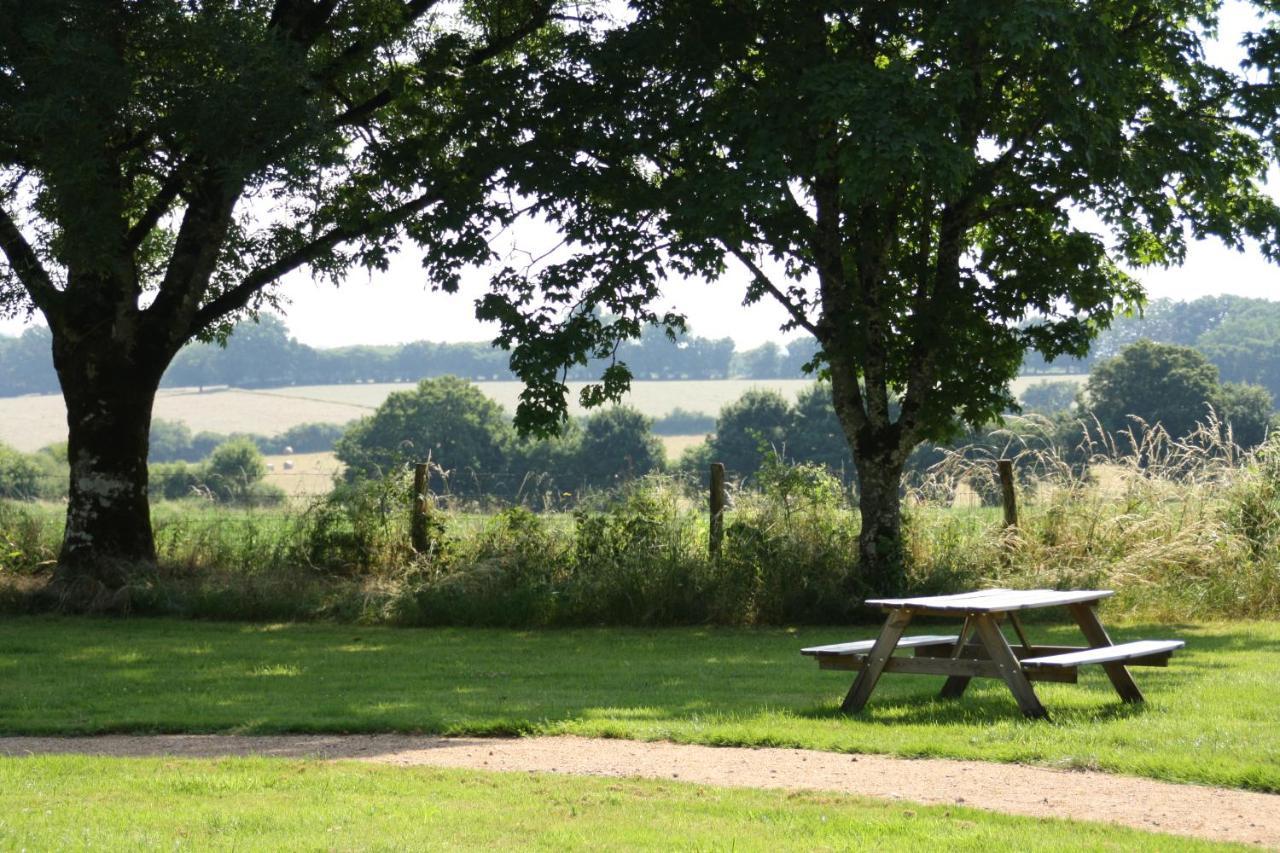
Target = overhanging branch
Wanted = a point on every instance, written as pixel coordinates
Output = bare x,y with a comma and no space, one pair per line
22,258
797,312
238,297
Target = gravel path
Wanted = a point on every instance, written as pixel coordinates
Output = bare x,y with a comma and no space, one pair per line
1213,813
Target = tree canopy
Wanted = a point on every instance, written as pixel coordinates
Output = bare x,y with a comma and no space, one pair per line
164,164
909,181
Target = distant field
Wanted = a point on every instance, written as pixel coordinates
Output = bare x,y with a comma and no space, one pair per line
31,422
311,474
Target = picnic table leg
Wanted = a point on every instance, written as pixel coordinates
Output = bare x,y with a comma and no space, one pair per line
1087,618
876,659
954,686
1010,669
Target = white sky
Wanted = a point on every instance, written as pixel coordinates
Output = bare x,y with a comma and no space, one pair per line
398,306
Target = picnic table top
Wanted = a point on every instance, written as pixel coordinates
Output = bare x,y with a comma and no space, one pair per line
991,600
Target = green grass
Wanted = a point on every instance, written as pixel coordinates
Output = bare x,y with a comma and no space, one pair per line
69,803
1210,717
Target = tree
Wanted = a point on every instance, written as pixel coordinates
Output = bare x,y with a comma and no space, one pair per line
233,469
164,164
1162,384
749,430
1248,409
903,178
448,420
1174,386
814,434
617,444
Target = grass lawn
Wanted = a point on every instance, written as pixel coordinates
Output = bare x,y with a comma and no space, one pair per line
262,804
1210,717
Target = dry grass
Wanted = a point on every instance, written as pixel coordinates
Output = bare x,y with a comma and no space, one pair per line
1180,527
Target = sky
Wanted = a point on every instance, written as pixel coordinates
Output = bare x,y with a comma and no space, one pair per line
399,306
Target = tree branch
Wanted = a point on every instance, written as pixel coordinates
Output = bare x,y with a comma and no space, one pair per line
156,208
22,258
361,111
238,297
797,313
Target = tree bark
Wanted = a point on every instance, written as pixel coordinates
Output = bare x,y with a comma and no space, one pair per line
881,555
109,388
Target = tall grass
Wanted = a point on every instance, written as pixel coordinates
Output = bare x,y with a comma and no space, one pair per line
1182,529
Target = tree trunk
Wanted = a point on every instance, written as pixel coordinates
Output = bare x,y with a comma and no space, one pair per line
881,556
109,392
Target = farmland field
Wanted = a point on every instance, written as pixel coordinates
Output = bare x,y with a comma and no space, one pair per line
31,422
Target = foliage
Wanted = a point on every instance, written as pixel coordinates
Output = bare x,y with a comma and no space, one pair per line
1159,383
19,476
1173,386
679,421
232,474
750,430
615,445
896,178
163,166
1247,409
448,421
1049,398
172,441
33,476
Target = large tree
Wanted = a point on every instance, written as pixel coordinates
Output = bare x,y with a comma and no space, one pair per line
163,163
929,189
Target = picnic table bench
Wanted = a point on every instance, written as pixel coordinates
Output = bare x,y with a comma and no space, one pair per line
980,649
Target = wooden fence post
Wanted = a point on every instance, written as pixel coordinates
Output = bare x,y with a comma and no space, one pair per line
717,508
418,518
1009,498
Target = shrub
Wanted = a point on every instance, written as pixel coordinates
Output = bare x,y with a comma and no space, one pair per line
449,420
20,475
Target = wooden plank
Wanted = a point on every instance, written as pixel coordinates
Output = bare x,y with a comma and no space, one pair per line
954,669
991,601
861,646
1087,618
893,629
1106,654
971,650
1008,667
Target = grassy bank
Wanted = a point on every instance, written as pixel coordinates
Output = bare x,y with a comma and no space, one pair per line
257,804
1210,717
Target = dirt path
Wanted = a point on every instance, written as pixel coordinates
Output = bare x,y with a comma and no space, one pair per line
1213,813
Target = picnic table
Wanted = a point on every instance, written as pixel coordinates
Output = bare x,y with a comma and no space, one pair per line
981,650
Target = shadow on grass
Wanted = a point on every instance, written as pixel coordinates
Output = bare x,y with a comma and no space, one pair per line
89,676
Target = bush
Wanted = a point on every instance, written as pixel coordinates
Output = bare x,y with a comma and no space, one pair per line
232,474
749,430
33,476
1049,398
463,432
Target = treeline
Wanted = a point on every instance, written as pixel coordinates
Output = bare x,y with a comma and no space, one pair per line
476,454
1239,336
263,355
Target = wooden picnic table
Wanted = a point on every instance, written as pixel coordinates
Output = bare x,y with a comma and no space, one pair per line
981,650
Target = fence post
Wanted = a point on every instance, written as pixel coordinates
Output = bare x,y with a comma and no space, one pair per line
717,508
418,518
1008,497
